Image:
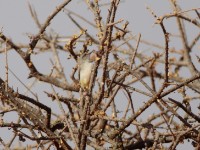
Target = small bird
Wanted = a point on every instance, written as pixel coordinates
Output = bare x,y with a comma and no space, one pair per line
85,65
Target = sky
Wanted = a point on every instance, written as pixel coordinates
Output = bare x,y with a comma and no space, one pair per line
17,24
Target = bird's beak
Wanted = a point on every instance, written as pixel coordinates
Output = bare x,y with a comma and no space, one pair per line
94,57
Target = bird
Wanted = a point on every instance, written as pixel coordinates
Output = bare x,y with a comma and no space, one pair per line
85,65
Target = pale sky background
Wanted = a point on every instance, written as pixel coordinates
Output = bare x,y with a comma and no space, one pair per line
16,23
